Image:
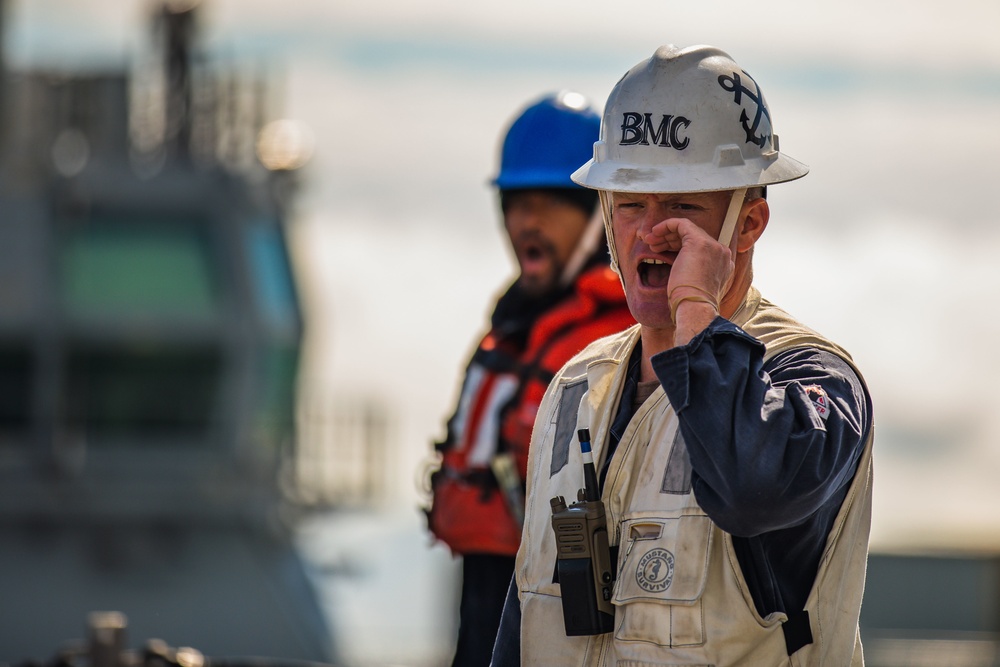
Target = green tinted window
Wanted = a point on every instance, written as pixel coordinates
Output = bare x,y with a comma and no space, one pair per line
139,269
274,413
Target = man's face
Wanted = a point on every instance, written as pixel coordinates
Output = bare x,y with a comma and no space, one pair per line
544,230
646,273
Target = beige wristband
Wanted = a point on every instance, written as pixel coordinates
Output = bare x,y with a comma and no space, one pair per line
691,297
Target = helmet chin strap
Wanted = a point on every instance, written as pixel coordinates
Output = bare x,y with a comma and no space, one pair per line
729,226
605,198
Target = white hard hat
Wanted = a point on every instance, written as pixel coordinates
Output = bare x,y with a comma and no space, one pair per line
686,120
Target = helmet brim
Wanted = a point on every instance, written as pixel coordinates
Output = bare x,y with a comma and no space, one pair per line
621,177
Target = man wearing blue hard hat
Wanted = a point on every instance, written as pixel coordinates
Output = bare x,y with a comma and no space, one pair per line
564,296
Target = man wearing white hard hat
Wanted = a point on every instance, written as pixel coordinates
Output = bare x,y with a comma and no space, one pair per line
699,486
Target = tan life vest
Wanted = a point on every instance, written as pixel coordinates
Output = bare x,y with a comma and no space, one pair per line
680,597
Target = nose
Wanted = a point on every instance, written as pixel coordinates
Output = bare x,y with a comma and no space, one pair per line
650,216
525,218
532,218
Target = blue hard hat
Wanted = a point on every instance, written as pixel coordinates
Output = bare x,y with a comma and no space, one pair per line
548,142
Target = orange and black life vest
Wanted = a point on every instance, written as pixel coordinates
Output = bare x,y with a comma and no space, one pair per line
503,387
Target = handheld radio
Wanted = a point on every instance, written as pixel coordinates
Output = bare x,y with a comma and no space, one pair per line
583,558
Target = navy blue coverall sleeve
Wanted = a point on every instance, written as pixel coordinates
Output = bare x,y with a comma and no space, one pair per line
773,449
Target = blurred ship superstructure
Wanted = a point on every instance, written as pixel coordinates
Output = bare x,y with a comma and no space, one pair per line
149,342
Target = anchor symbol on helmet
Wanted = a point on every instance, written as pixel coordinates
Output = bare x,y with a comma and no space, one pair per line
735,85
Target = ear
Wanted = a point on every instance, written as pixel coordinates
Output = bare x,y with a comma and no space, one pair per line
754,216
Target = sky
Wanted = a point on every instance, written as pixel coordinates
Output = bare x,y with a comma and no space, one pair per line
889,246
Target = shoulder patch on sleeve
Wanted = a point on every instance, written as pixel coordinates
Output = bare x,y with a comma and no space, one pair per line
819,398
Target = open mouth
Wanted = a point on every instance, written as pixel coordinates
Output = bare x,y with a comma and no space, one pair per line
653,273
532,253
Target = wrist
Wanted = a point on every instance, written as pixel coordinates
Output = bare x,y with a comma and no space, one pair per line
691,317
688,295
